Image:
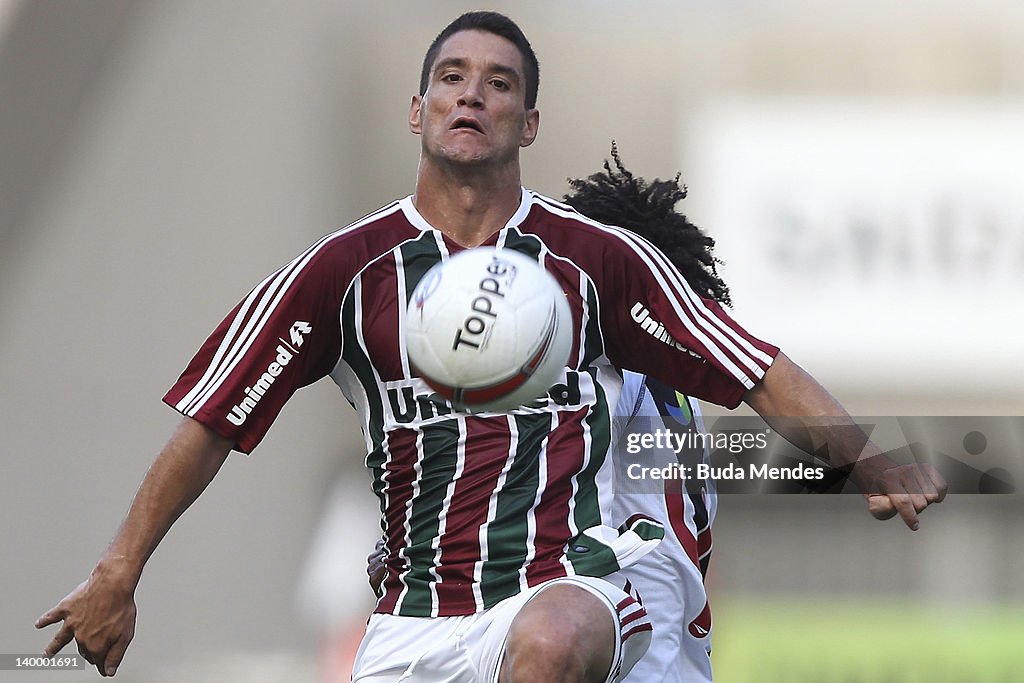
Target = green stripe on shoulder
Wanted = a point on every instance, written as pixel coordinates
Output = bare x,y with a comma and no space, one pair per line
418,256
530,245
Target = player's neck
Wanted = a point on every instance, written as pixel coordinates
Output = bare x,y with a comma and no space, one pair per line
467,205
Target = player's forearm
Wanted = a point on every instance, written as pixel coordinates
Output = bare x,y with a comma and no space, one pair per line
182,471
796,406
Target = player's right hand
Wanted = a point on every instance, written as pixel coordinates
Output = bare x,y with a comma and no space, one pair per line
905,490
100,616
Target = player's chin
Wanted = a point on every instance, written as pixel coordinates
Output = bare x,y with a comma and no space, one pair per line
475,150
469,158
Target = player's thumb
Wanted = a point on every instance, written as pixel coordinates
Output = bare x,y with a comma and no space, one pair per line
881,507
115,654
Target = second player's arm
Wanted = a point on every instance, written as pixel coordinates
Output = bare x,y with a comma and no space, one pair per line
100,613
796,406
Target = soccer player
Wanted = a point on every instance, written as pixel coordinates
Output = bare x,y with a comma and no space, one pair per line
670,579
497,526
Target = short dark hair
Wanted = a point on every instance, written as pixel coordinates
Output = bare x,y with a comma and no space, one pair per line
499,25
618,197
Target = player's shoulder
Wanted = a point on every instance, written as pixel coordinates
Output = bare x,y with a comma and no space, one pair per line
565,229
388,218
368,237
546,209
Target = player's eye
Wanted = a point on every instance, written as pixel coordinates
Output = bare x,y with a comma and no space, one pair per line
451,78
500,84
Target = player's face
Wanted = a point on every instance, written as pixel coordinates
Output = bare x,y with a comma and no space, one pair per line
474,110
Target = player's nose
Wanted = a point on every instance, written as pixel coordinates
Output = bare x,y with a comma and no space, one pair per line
472,93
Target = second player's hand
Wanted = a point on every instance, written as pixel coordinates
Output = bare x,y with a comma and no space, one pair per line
905,490
100,616
375,570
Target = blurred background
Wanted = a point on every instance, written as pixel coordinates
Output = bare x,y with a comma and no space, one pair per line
859,162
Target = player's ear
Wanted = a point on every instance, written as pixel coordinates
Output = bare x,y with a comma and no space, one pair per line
530,128
414,114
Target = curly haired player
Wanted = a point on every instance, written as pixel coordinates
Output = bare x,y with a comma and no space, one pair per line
670,579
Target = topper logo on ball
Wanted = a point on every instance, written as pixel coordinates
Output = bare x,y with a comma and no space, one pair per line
475,326
494,330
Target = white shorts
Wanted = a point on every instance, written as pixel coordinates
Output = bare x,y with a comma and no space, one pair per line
469,649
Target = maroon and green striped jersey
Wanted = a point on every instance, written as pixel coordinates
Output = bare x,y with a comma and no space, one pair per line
473,507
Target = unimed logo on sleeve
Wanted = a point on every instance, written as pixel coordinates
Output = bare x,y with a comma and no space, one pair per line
655,328
284,354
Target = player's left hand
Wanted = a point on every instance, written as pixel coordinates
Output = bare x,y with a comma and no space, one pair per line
905,490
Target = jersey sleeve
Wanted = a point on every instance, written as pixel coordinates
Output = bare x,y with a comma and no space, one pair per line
657,325
284,335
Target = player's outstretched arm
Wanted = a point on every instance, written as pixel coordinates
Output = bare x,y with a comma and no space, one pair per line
791,402
100,613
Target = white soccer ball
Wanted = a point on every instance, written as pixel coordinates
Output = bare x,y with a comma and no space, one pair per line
489,329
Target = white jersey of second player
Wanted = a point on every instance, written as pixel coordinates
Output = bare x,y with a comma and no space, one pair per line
670,579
